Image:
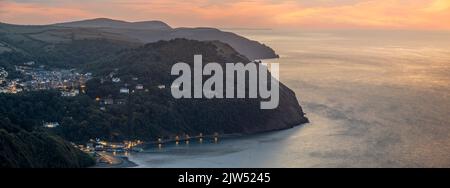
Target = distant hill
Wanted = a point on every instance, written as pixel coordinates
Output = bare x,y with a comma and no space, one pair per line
58,46
117,24
153,31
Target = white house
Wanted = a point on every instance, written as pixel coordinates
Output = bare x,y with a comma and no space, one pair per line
30,63
124,90
50,124
116,80
139,87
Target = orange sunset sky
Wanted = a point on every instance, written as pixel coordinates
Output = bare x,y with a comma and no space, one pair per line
332,14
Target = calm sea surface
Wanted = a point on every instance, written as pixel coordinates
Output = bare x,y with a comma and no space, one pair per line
374,98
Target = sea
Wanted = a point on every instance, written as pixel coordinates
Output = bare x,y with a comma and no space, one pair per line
375,98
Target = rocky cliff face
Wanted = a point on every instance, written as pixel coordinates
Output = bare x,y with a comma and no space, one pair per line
288,114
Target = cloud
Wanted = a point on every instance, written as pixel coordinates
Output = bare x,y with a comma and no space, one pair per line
382,14
31,13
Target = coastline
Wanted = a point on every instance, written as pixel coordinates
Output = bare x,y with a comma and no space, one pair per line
113,161
228,137
109,160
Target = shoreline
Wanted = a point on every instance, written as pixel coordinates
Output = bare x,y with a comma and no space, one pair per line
233,136
113,161
121,161
228,135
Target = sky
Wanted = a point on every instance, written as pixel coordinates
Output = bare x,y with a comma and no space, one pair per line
285,14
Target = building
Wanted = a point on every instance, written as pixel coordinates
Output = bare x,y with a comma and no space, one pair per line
139,87
30,63
50,124
90,147
108,101
124,90
99,148
116,80
121,101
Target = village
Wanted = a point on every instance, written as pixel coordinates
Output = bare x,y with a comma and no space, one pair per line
33,78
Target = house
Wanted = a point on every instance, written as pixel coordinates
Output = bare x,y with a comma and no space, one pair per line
30,63
121,101
124,90
89,145
50,124
108,101
99,148
116,80
139,87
